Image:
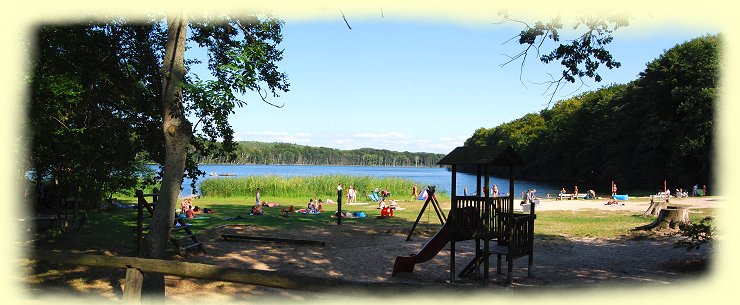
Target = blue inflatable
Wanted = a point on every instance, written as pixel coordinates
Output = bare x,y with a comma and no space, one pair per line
621,197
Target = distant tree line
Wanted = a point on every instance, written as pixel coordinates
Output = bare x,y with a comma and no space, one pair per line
250,152
655,128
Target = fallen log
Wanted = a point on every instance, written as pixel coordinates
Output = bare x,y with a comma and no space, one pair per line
668,217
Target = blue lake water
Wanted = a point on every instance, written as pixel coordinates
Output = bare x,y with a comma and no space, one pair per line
439,177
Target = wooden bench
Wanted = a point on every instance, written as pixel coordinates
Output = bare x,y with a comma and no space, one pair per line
660,196
571,196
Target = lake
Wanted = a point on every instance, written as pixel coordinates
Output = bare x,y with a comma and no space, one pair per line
423,176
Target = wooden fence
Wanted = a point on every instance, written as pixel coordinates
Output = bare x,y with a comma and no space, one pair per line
135,267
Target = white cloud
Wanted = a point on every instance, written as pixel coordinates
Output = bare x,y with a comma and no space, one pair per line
275,136
383,135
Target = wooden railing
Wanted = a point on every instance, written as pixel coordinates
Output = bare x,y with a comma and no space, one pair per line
492,214
286,280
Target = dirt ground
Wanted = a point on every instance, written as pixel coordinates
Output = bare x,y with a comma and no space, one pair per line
354,253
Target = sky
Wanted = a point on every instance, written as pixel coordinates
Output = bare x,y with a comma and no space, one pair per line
405,85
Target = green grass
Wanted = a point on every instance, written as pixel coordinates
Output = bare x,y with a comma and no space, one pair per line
597,223
115,229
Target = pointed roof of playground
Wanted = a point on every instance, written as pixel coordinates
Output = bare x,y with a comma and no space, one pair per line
482,155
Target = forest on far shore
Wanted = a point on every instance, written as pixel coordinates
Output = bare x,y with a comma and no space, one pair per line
656,128
251,152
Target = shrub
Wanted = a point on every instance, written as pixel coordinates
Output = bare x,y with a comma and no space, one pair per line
696,234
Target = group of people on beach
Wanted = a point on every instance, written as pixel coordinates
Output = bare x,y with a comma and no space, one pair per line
590,194
258,204
529,197
188,211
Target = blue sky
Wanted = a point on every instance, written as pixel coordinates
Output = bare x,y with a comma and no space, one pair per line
408,85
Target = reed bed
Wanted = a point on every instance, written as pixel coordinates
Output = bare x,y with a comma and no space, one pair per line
324,186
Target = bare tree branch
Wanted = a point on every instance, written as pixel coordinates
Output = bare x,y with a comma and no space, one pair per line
345,19
264,98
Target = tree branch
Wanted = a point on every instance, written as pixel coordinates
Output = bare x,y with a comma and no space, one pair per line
345,19
264,98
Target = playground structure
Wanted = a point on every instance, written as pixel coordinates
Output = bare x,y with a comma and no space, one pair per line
481,218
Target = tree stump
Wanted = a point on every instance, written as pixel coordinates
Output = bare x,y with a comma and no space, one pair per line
655,206
668,217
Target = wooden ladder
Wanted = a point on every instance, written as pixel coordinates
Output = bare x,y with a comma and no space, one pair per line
181,235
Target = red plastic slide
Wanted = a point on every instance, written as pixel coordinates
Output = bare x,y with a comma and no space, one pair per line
430,250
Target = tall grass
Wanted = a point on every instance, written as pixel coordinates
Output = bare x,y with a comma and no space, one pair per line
324,186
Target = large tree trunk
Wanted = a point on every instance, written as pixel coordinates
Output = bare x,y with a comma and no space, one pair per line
177,135
668,217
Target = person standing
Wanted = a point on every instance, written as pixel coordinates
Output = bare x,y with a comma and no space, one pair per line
352,194
465,190
704,188
414,194
614,188
339,204
257,196
575,192
495,190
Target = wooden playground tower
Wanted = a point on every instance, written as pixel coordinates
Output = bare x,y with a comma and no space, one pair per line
487,217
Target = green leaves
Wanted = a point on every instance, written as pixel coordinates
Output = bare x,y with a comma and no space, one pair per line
582,57
93,91
696,235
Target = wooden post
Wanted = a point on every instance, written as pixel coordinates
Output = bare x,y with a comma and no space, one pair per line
665,186
451,218
486,229
139,223
132,286
511,182
339,204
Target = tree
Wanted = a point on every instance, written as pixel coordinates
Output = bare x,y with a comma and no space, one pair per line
655,128
242,55
90,80
582,57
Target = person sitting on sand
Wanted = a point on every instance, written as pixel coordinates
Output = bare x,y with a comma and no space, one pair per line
270,204
382,204
394,205
320,206
612,202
